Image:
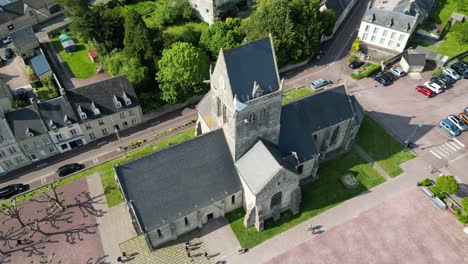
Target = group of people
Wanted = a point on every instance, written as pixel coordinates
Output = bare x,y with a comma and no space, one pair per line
187,249
121,259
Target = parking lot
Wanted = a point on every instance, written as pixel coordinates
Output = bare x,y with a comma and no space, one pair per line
12,71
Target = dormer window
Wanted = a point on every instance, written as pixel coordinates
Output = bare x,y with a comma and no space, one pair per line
52,125
390,22
117,103
29,133
67,121
96,111
128,101
83,115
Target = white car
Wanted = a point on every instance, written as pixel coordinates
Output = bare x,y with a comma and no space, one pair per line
452,73
434,87
458,122
398,72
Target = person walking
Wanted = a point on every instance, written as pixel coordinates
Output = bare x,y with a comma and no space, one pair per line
188,254
119,259
206,255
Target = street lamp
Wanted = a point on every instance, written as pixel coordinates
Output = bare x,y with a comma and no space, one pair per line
116,130
341,71
408,140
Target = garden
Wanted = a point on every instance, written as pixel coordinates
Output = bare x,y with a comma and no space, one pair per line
317,197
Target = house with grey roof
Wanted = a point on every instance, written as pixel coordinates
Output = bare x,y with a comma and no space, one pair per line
31,134
105,106
389,24
249,150
62,124
15,14
11,156
25,41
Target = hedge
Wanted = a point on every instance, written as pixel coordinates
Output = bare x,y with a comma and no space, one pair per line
370,69
437,192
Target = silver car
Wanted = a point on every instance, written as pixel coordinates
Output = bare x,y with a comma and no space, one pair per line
319,84
458,122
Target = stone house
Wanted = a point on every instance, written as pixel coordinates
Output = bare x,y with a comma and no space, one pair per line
31,134
62,124
16,14
11,156
25,42
209,10
258,149
105,106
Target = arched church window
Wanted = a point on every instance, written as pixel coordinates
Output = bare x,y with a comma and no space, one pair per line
252,119
334,137
218,106
261,118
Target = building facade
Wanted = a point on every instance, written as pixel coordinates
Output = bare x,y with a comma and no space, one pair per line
11,156
209,10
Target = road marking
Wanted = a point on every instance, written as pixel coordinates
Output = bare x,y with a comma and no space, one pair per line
459,157
441,149
435,154
442,152
454,145
461,144
450,146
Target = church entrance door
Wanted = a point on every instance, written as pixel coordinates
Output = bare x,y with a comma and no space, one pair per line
276,200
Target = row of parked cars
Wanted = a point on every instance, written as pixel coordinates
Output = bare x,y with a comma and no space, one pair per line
388,77
454,125
445,81
15,189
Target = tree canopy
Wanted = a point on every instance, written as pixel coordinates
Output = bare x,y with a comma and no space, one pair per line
139,40
296,26
118,63
460,31
221,35
447,184
182,70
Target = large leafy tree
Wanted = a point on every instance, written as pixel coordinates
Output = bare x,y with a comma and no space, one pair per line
82,18
182,70
140,42
296,26
447,184
118,63
110,27
221,35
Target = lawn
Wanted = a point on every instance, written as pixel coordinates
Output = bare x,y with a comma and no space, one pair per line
78,62
296,94
443,10
317,197
43,93
106,169
450,47
382,147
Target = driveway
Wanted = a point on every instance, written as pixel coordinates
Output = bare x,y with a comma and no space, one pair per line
406,228
12,71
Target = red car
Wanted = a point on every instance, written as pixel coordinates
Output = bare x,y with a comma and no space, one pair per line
424,90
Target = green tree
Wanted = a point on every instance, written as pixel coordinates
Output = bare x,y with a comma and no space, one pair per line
447,184
329,19
139,41
356,45
460,31
109,30
464,202
182,70
221,35
83,23
118,63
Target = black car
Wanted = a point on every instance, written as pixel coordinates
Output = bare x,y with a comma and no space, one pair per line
464,63
12,190
8,53
389,75
444,84
460,69
356,64
383,80
447,78
69,168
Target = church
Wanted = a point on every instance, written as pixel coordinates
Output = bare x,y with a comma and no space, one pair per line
250,151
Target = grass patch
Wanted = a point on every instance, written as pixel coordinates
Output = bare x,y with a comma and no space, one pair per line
450,47
296,94
443,10
182,29
43,93
382,147
106,169
78,62
317,197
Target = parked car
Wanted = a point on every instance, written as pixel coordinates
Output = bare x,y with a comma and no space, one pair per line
434,87
449,127
458,122
12,190
427,92
447,78
460,69
389,75
398,72
320,83
7,40
383,80
466,110
355,64
452,73
464,117
7,53
440,82
464,63
69,169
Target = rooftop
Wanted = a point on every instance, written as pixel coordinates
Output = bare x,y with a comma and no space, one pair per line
24,36
25,120
40,65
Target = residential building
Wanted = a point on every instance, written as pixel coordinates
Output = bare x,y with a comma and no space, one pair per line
250,150
25,42
15,14
62,124
391,23
5,96
105,106
31,135
11,156
209,10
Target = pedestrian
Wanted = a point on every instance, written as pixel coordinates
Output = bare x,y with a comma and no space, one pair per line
188,254
186,248
119,259
206,255
19,242
124,254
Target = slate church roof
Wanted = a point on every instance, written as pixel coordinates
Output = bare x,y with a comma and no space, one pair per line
250,63
174,182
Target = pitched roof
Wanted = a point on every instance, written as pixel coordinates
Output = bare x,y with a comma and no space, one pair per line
39,4
415,59
413,7
4,90
23,120
174,182
301,118
259,165
250,63
390,19
205,108
23,36
338,6
56,109
40,64
11,9
102,94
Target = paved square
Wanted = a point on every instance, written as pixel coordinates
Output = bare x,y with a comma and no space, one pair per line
406,228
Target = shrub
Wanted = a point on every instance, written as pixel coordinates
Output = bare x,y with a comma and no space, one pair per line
356,45
352,58
464,203
369,69
36,84
447,184
437,192
426,182
438,72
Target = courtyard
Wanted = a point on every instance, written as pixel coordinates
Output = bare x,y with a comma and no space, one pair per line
12,71
406,228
